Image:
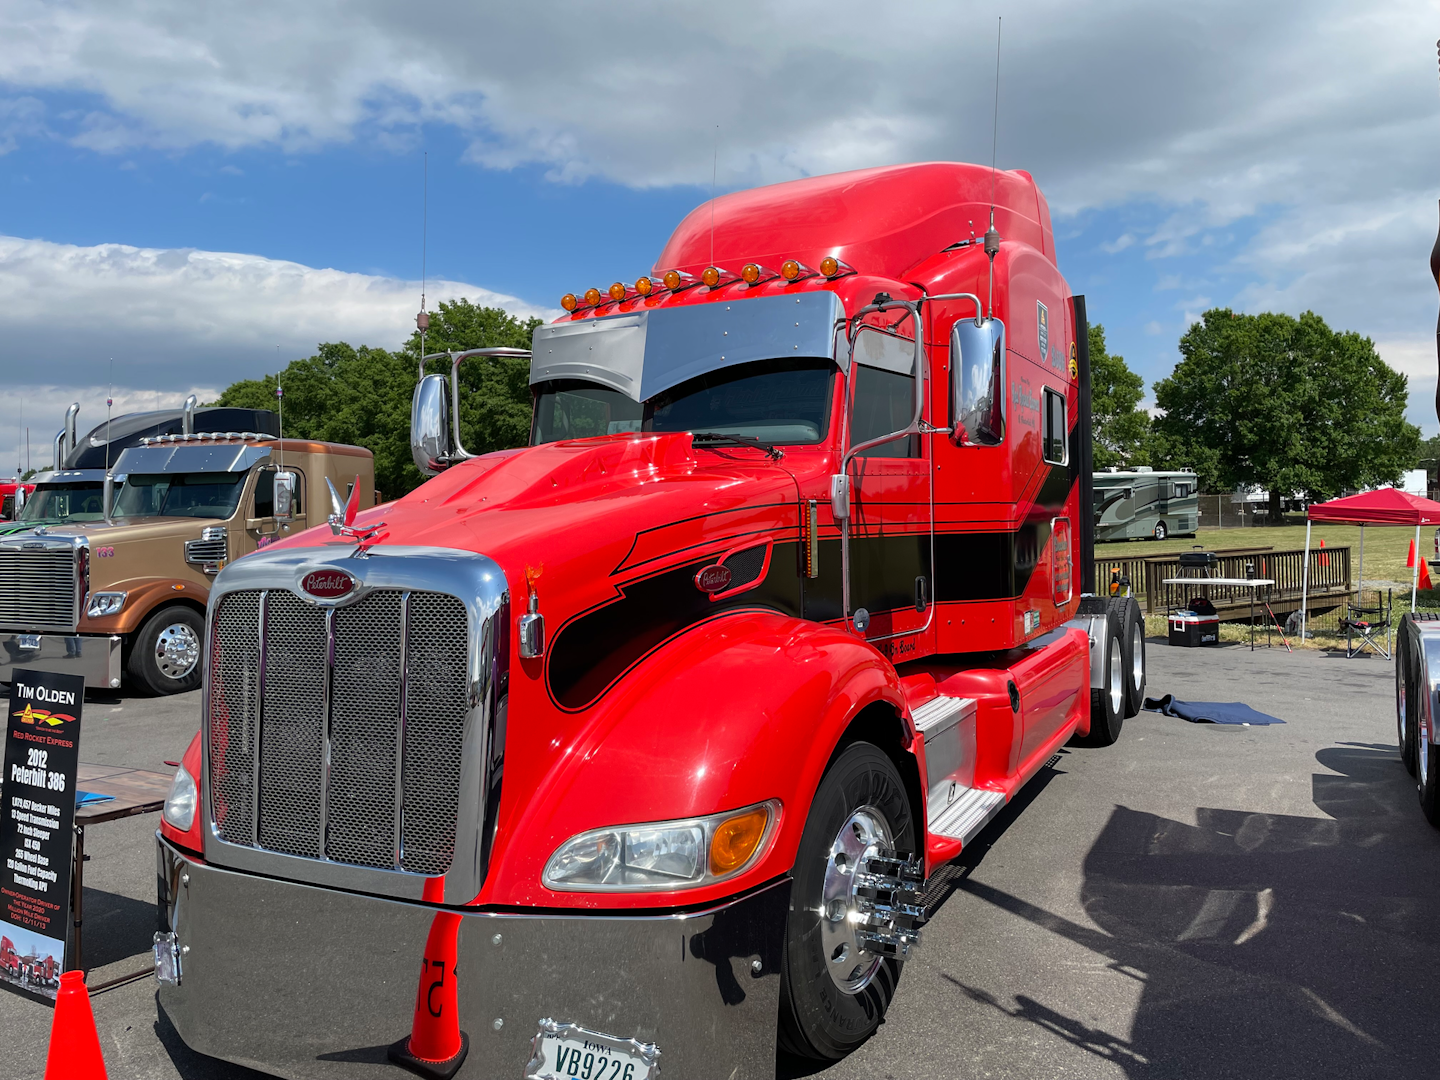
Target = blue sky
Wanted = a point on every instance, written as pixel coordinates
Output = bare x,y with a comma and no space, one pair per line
266,163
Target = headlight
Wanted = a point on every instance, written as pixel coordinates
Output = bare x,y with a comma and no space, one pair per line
663,854
105,603
179,809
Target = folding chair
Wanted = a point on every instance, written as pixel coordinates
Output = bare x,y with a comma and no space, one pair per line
1369,623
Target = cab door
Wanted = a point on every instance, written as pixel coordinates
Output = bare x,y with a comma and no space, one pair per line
891,521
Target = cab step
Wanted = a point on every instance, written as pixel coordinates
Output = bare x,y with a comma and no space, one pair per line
967,814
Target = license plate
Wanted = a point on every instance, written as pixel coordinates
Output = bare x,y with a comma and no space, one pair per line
570,1052
29,641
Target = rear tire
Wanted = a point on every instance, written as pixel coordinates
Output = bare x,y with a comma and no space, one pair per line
818,1019
1160,531
1107,704
1133,635
165,658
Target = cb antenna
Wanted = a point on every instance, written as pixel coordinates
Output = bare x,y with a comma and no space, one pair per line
992,238
422,320
109,400
280,406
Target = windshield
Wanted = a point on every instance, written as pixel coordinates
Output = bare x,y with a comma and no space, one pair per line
775,401
65,502
196,495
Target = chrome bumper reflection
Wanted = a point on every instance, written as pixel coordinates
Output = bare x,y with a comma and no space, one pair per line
303,982
96,658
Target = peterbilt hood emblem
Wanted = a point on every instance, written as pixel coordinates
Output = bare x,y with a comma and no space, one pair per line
713,578
327,584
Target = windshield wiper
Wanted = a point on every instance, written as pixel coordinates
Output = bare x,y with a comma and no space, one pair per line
738,440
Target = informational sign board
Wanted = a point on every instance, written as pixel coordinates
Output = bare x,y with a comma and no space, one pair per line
37,819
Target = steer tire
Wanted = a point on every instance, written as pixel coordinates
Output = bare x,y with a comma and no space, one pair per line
818,1020
1407,699
1132,634
152,668
1427,759
1160,532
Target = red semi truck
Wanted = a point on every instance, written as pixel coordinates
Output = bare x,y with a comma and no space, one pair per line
634,747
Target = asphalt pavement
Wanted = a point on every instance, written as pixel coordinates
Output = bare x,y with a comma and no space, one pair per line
1196,901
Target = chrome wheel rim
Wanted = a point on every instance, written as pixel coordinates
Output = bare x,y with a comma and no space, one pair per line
1422,751
1117,683
177,651
865,835
1400,713
1137,656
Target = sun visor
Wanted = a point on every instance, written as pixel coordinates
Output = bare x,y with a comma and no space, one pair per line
190,458
644,353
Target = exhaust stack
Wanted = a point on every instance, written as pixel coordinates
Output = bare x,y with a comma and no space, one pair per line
188,419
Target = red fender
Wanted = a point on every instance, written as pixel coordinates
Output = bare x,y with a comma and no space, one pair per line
743,709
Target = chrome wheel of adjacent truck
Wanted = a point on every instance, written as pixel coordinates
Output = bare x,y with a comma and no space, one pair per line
1160,531
1133,623
833,994
165,658
1406,700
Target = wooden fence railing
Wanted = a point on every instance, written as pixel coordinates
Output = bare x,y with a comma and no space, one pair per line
1329,582
1329,585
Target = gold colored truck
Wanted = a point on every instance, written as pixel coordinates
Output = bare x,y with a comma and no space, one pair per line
124,597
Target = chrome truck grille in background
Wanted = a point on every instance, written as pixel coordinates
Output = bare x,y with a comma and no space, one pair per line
356,735
42,583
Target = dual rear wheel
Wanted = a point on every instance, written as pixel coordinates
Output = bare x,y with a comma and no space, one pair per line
1122,686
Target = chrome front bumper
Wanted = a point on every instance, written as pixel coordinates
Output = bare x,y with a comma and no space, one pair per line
300,981
96,658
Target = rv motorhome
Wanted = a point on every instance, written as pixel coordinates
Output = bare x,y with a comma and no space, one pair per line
1142,503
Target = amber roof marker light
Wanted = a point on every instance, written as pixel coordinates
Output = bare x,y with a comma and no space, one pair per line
754,274
618,291
711,277
675,280
592,296
644,286
795,270
832,267
569,302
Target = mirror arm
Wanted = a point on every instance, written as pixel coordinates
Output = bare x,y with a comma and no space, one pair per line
461,453
979,309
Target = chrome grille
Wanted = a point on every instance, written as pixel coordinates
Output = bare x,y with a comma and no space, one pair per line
352,767
37,589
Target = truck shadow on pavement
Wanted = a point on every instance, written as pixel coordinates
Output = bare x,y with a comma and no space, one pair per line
1266,944
115,928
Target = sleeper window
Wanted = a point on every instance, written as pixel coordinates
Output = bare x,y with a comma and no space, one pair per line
1056,430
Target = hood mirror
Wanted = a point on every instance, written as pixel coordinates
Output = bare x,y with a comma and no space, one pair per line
430,426
284,496
977,382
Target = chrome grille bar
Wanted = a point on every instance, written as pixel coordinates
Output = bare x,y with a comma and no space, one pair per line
397,838
40,589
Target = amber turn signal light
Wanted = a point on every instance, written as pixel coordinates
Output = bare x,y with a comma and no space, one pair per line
790,269
829,266
710,276
644,286
568,302
592,296
737,839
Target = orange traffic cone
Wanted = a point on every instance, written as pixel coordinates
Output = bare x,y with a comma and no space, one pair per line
436,1047
1325,559
74,1042
1424,581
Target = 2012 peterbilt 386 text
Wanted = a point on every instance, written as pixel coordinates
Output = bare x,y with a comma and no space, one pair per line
635,746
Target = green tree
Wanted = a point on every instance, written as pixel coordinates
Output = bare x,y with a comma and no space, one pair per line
1120,428
1284,403
362,395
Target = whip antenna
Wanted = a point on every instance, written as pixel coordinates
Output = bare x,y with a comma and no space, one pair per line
109,400
714,173
992,238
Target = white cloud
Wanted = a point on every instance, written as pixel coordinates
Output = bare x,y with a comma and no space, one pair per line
179,320
1120,243
1153,327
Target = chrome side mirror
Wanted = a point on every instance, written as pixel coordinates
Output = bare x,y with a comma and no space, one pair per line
430,426
284,496
840,496
977,382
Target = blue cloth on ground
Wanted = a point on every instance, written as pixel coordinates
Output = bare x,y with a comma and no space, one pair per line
85,798
1210,712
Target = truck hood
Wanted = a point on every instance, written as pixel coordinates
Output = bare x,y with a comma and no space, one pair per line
611,504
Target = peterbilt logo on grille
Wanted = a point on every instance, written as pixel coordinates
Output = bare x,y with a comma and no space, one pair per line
713,578
327,584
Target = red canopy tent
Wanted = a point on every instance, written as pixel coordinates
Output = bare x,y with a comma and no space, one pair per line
1383,506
